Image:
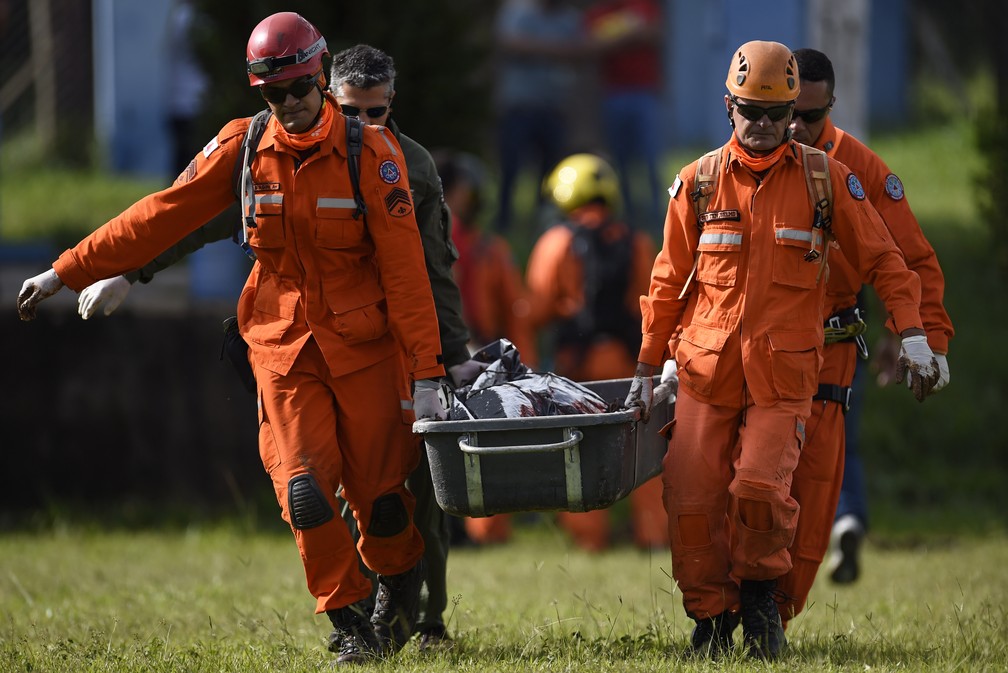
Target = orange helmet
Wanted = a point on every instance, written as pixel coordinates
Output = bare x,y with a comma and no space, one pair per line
284,46
764,71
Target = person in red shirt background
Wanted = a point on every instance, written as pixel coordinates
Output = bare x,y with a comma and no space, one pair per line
627,37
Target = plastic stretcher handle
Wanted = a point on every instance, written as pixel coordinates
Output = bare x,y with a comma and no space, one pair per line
572,441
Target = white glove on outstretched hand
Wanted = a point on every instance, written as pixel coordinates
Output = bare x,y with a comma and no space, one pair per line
108,293
918,365
34,290
641,395
426,401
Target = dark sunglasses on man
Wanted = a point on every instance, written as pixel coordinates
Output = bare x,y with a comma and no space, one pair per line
754,112
815,114
372,112
299,88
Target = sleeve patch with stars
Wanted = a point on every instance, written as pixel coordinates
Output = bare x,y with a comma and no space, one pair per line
389,172
398,202
854,187
894,187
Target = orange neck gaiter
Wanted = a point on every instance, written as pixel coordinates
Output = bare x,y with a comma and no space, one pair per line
756,164
304,140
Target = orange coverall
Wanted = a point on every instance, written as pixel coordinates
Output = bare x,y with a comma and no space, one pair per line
749,356
555,278
333,404
819,475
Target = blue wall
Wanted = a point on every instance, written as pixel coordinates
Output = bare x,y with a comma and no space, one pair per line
703,34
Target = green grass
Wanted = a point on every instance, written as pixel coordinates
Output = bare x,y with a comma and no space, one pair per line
219,599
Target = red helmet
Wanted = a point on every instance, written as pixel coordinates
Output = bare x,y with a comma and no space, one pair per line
284,46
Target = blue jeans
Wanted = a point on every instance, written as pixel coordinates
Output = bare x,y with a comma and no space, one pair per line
632,127
853,493
527,132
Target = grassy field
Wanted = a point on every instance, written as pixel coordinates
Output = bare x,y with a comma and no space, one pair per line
221,599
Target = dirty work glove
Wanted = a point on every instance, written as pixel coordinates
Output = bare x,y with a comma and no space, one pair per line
108,293
917,364
466,372
670,376
34,290
943,372
641,395
427,402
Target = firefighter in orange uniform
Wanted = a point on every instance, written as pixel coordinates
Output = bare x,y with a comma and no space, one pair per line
745,281
327,304
586,276
819,474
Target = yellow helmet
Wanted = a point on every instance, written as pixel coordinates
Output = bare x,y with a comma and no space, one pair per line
765,71
581,179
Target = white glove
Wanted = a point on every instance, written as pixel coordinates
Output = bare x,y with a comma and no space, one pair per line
34,290
108,293
918,365
670,376
641,395
943,372
426,400
466,372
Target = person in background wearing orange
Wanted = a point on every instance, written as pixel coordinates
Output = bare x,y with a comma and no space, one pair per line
331,303
494,300
586,274
744,280
819,474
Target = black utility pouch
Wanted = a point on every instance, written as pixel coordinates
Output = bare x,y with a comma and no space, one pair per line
237,352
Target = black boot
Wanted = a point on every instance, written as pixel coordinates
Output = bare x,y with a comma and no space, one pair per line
353,639
712,637
396,607
761,622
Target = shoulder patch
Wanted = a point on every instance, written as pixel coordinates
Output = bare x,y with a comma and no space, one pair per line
209,148
676,186
398,202
854,187
894,187
188,174
388,171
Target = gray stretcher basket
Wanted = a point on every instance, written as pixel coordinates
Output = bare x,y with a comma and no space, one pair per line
571,463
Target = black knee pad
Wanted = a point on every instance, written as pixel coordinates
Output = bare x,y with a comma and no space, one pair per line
308,506
388,516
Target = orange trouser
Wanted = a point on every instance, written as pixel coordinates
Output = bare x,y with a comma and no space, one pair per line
817,481
591,530
489,529
348,429
727,478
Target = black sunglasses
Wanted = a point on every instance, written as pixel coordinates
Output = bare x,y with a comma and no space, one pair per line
812,116
299,88
754,112
372,112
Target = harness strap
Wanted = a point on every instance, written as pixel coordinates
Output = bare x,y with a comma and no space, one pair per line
833,393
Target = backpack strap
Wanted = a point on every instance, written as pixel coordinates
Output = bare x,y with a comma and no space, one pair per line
820,190
241,181
244,187
355,141
705,181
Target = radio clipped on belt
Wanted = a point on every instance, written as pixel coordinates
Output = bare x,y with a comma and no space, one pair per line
847,325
